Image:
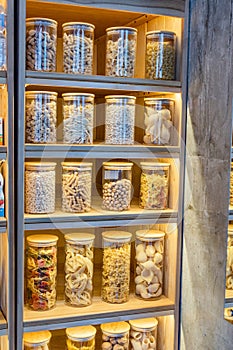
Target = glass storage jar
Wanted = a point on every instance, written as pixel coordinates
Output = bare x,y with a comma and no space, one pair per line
78,116
158,114
78,44
154,185
143,333
40,117
41,44
231,185
149,249
3,46
229,265
76,187
115,335
39,188
160,55
119,120
81,337
116,266
117,177
36,340
79,269
41,271
121,51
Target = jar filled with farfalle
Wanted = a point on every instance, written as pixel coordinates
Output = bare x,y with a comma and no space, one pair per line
82,337
143,333
36,340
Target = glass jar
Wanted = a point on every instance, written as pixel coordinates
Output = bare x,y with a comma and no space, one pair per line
76,187
119,120
78,44
143,333
78,116
3,46
41,44
117,177
121,51
41,117
158,114
149,249
160,55
41,271
79,269
116,266
231,185
39,188
154,185
82,337
36,340
229,265
115,335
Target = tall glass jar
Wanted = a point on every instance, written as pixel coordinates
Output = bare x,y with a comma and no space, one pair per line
36,340
119,120
79,269
115,335
121,51
116,266
78,45
40,117
161,55
41,271
143,333
78,116
229,265
39,188
117,177
82,337
154,185
3,37
76,187
41,44
231,185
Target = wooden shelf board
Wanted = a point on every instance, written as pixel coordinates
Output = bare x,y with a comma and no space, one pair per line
3,225
3,325
230,215
3,77
3,152
228,298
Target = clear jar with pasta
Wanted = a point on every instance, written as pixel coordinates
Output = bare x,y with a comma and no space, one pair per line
115,335
41,271
78,116
231,185
229,264
36,340
116,266
81,338
143,333
154,186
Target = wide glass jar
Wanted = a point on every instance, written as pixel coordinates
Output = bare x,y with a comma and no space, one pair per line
82,337
41,271
78,45
36,340
41,44
116,266
161,55
154,186
79,269
121,51
76,187
40,117
143,333
115,335
39,188
229,265
78,116
231,185
116,178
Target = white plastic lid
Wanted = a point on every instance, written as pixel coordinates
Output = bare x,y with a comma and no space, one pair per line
153,165
147,324
117,165
41,240
81,333
38,20
115,328
148,235
77,24
230,229
83,238
40,166
70,95
116,236
36,338
81,166
121,28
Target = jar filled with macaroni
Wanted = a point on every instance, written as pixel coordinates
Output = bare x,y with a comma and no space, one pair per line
143,333
229,264
36,340
115,335
81,337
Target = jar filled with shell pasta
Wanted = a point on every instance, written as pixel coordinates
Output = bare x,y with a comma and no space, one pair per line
76,187
229,265
115,335
149,247
154,186
36,340
231,185
41,271
143,333
79,269
116,266
82,337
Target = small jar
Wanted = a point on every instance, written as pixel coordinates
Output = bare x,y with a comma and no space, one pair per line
231,185
160,55
79,269
154,185
143,333
149,249
158,114
229,265
39,188
116,266
82,337
36,340
115,335
78,116
76,187
41,117
78,45
119,120
117,177
121,51
41,271
41,44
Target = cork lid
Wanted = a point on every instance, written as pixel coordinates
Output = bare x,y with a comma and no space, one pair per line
36,338
154,165
45,166
71,25
166,33
83,238
115,97
147,324
116,236
158,99
76,166
148,235
35,93
115,328
121,28
117,165
81,333
41,240
75,95
41,20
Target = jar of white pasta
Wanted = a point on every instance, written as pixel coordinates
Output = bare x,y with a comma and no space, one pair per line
41,271
82,337
116,266
79,269
115,335
143,333
36,340
229,265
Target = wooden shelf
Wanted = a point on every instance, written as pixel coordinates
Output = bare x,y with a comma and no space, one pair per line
230,216
3,225
3,152
228,298
3,325
3,77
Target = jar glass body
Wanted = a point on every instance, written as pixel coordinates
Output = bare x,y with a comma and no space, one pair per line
142,337
231,185
81,337
115,336
35,346
229,264
3,50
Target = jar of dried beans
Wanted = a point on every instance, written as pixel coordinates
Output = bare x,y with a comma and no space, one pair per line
82,337
115,335
143,333
36,340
